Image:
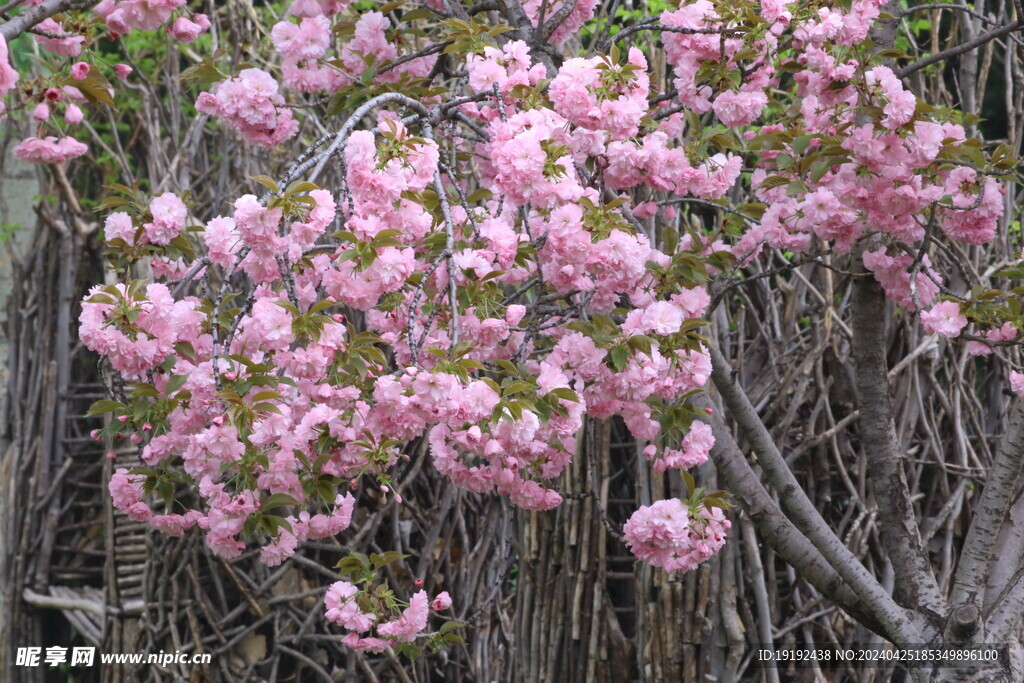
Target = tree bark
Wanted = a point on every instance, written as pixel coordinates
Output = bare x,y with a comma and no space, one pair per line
915,583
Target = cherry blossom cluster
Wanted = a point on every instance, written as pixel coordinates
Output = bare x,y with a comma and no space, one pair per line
309,66
269,406
250,103
343,608
674,536
75,84
598,95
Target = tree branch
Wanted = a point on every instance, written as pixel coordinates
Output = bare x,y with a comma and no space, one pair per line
976,557
959,49
780,533
33,15
901,535
899,624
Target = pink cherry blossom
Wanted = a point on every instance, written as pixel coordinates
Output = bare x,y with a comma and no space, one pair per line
412,621
1017,383
169,215
944,319
49,150
250,103
8,76
665,534
442,602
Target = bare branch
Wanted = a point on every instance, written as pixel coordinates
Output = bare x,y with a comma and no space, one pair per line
32,16
959,49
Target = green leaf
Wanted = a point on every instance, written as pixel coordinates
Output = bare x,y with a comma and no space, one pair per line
300,186
267,182
386,558
203,73
174,383
688,480
418,13
566,394
105,406
800,144
478,195
276,500
363,560
518,387
449,626
144,390
95,90
619,356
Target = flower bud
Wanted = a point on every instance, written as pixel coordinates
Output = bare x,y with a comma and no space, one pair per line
73,114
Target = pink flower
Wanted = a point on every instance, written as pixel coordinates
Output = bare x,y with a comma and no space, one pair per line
307,40
270,325
892,273
412,621
222,241
579,94
343,609
665,535
365,644
125,489
580,14
514,314
187,31
442,602
41,112
278,551
944,319
70,46
169,214
73,114
250,103
741,108
901,103
662,317
139,512
147,14
122,71
175,525
119,226
695,448
49,150
8,76
1017,383
79,70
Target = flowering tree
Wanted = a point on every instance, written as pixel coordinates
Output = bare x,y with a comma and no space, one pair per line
523,231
